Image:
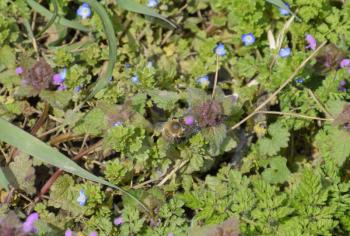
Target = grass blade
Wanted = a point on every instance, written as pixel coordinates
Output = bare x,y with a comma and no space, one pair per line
49,15
38,149
133,6
112,45
3,180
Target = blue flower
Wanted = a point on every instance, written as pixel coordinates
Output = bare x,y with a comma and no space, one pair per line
299,80
135,79
84,11
220,50
82,198
77,89
149,64
203,81
117,123
283,11
152,3
127,65
285,52
248,39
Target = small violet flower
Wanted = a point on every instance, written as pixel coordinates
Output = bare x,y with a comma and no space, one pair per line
311,41
189,120
345,63
68,232
170,234
62,87
59,78
118,221
82,198
84,11
203,80
77,89
19,70
235,97
248,39
135,79
28,226
341,87
93,233
152,3
285,52
220,50
283,11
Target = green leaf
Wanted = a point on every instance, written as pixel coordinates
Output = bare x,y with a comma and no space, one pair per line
164,99
215,136
278,171
7,57
133,6
279,139
49,15
24,173
38,149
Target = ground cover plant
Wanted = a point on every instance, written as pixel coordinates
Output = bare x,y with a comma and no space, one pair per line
197,117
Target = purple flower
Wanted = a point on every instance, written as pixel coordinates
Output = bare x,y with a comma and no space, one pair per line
60,77
68,232
84,11
170,234
82,198
283,11
341,87
235,97
220,50
345,63
118,221
285,52
28,226
189,120
203,80
19,70
93,233
62,87
152,3
311,41
77,89
248,39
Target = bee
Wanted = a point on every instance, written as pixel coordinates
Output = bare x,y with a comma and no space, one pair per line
177,130
173,130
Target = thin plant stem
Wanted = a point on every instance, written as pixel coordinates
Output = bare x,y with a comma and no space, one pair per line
285,83
319,103
31,36
172,173
295,115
